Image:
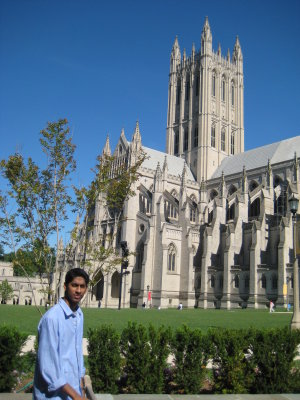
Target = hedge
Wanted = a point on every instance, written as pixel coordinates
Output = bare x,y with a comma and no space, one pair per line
148,360
11,342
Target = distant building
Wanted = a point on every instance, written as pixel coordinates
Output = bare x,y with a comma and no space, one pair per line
23,290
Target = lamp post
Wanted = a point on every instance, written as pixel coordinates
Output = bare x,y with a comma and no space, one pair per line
148,288
295,324
124,265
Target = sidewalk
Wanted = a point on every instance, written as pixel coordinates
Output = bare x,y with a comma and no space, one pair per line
28,396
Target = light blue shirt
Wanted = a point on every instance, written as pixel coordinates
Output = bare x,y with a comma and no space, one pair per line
60,357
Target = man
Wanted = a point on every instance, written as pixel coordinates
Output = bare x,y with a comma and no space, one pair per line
59,369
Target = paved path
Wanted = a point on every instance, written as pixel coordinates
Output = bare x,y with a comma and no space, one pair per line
13,396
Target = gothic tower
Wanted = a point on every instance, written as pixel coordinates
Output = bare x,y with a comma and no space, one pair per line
205,105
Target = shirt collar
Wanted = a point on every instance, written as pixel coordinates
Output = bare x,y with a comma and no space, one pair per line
67,310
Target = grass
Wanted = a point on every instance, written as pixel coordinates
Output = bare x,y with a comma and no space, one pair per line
26,318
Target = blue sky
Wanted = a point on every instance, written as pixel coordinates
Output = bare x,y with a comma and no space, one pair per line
105,64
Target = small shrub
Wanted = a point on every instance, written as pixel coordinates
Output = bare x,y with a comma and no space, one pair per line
11,342
135,349
159,340
273,353
233,370
190,350
104,359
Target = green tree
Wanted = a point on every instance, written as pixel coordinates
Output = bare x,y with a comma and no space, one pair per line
41,198
112,185
56,143
6,291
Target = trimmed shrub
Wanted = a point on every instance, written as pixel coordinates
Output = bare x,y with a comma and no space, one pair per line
159,341
11,342
190,350
135,348
273,354
232,363
104,359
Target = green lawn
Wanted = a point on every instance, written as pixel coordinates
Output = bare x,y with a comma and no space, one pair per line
26,318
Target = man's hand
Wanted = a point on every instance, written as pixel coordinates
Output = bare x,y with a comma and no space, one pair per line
67,389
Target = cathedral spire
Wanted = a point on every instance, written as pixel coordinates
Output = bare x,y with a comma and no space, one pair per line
136,137
158,179
193,52
106,150
183,176
175,56
237,51
184,56
206,38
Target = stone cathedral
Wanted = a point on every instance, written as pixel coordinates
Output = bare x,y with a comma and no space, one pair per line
209,223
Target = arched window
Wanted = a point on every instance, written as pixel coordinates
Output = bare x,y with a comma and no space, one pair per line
174,194
236,281
213,194
103,237
145,204
197,85
280,197
230,212
254,209
186,140
223,139
178,90
232,94
97,290
232,143
120,150
232,189
196,136
263,282
213,87
140,257
213,136
172,258
115,285
187,90
176,142
223,91
192,214
253,185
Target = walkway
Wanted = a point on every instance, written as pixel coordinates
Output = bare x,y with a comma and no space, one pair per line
13,396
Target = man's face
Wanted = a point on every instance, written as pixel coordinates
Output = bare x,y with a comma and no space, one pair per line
75,290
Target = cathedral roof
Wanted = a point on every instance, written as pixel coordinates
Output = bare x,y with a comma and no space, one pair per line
256,158
175,164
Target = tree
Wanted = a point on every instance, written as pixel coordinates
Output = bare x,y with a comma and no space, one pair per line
113,184
41,198
6,291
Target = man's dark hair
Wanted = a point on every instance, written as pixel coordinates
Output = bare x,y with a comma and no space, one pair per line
74,273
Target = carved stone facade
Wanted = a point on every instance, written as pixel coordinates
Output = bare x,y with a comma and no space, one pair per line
22,290
209,224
